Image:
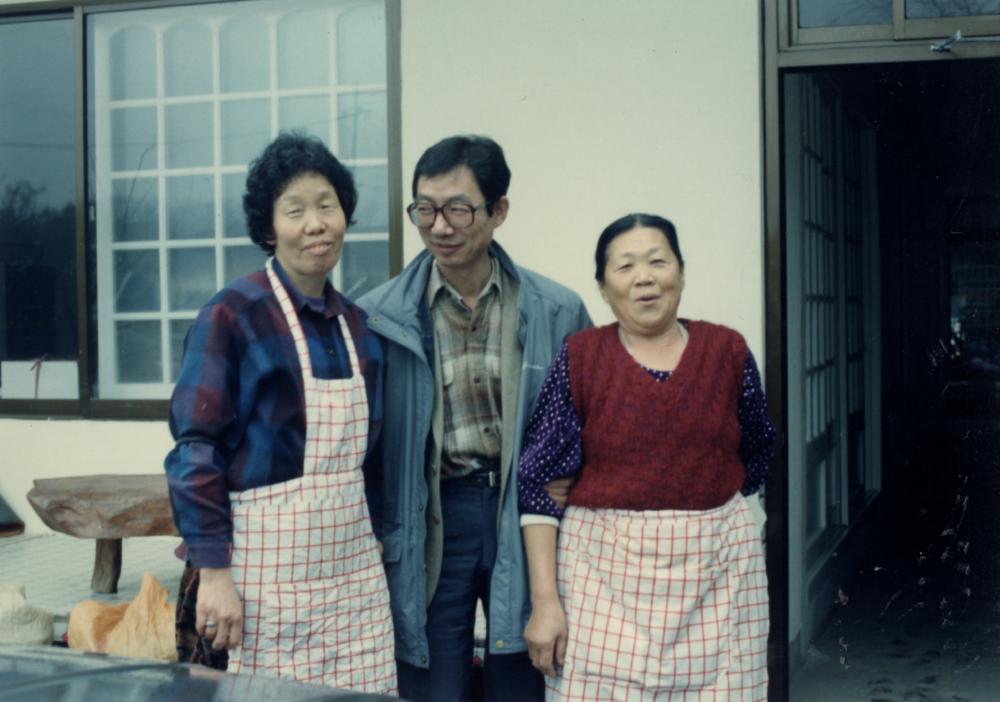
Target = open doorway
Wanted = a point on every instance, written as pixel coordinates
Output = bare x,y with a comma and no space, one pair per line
891,182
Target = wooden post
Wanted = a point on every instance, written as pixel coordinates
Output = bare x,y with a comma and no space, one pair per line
107,566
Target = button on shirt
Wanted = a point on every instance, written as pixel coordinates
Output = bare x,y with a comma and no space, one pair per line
469,349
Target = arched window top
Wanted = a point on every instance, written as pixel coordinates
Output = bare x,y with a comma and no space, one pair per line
304,49
244,55
133,63
361,45
187,57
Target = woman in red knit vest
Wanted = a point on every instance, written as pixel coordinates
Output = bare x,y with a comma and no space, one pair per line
658,587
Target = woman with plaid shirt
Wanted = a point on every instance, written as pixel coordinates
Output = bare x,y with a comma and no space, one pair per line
275,411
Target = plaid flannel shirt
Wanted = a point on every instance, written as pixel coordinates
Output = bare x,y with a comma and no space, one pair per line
237,412
469,347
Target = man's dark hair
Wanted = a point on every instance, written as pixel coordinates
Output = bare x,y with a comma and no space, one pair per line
290,155
627,224
479,154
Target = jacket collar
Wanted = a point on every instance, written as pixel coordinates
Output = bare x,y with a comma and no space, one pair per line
403,297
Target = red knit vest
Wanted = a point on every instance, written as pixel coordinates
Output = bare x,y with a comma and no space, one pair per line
658,445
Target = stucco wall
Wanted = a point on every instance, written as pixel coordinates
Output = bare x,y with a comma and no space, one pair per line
42,448
603,108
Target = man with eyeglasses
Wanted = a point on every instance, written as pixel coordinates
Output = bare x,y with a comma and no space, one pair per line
468,337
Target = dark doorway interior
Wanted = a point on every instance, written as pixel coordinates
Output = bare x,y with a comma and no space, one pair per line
919,617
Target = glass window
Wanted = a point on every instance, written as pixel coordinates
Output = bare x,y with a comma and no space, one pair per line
844,13
181,98
245,58
38,300
303,50
187,58
922,9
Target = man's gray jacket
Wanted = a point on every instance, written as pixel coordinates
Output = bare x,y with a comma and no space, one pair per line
538,314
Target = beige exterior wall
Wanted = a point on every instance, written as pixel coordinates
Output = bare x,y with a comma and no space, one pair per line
603,108
44,448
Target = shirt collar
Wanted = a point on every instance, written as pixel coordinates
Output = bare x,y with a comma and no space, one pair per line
437,283
327,304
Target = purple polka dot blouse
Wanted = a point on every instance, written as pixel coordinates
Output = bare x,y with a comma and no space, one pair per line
553,445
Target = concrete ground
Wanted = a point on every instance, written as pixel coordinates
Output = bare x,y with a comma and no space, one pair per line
921,622
901,648
55,570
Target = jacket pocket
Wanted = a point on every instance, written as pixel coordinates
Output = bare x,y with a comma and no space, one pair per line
392,543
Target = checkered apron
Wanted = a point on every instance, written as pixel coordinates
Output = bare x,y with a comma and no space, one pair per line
305,560
662,605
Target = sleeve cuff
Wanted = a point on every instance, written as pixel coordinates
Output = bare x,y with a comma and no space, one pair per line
529,519
209,554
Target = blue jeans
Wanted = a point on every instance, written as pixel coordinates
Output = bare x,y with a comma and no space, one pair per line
470,549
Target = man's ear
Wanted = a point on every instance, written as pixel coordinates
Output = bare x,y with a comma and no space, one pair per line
500,209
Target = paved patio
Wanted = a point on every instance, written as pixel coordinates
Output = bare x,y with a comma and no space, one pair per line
55,569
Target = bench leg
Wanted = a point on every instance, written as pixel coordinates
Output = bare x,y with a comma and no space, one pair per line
107,566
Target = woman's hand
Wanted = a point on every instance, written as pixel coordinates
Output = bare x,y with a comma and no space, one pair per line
559,489
219,614
546,636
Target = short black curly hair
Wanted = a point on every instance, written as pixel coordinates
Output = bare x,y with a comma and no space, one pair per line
290,155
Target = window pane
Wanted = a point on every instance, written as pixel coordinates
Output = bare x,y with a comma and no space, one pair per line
133,139
139,352
303,50
137,281
191,277
246,129
917,9
361,121
188,137
244,55
136,210
191,207
241,260
187,55
306,113
361,45
844,13
37,214
372,213
234,223
363,265
133,63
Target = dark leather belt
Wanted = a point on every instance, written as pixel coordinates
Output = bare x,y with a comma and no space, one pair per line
479,478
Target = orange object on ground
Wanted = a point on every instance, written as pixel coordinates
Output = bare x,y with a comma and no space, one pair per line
142,628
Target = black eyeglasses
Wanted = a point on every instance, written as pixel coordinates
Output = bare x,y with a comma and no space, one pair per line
457,214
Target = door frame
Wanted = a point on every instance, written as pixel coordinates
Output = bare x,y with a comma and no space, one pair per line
779,54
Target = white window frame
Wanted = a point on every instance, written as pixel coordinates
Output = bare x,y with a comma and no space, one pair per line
106,385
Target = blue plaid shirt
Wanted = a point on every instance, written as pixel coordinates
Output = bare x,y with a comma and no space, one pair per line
237,411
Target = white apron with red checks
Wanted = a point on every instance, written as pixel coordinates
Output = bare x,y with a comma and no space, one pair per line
305,560
662,605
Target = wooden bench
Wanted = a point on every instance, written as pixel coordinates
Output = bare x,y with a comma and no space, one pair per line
108,508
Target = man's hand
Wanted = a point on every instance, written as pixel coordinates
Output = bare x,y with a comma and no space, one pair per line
546,636
558,490
219,614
